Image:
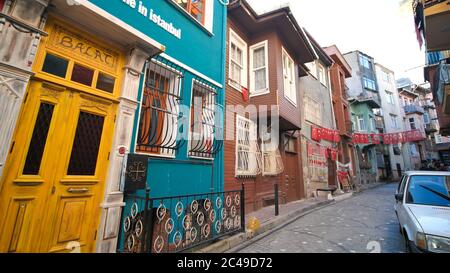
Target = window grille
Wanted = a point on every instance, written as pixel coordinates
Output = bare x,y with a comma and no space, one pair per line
206,121
248,154
160,112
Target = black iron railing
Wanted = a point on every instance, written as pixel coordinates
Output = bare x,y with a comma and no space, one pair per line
179,223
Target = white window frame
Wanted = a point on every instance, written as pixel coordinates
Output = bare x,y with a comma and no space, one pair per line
394,121
242,45
413,122
373,123
321,74
367,82
390,97
289,86
209,15
360,118
253,91
252,148
365,61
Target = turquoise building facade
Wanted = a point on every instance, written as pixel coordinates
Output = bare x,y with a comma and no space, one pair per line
178,124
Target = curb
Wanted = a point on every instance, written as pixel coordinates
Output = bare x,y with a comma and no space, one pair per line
242,240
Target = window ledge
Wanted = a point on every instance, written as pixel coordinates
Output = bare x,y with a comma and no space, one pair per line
185,13
259,93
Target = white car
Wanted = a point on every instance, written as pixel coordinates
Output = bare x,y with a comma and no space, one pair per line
423,211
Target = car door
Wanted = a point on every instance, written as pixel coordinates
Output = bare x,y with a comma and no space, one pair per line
400,208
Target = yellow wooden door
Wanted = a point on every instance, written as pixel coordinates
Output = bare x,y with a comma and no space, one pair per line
54,179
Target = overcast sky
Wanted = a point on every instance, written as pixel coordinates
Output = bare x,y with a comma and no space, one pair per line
383,29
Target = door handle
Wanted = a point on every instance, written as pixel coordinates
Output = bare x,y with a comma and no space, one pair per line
77,190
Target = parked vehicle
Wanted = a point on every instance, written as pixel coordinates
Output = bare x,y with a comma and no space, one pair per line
423,211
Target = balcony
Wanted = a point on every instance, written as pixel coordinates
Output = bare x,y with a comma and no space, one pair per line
437,24
370,98
432,127
428,105
414,109
441,86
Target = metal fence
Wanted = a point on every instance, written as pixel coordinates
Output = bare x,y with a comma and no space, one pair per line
179,223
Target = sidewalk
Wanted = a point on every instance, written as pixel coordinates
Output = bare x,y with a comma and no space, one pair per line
269,222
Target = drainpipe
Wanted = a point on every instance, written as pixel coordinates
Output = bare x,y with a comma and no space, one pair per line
333,117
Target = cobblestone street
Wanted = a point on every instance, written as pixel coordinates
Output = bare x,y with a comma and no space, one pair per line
364,223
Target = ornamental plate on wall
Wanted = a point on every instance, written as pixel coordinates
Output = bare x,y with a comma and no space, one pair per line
233,211
127,224
207,204
237,199
179,209
159,244
187,221
228,201
130,242
212,215
193,234
177,238
194,206
161,211
200,218
206,230
218,226
136,173
237,222
218,202
169,226
139,228
134,210
224,213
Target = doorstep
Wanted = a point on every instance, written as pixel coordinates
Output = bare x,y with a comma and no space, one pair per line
269,222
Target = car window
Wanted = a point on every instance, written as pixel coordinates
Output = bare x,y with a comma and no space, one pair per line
433,190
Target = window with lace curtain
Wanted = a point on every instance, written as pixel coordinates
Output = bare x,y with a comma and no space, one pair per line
205,130
238,62
248,156
272,163
259,71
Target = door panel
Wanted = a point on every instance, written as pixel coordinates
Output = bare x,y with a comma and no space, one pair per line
53,180
291,174
79,178
28,177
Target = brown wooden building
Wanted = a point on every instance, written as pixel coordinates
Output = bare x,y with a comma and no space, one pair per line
264,52
339,71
